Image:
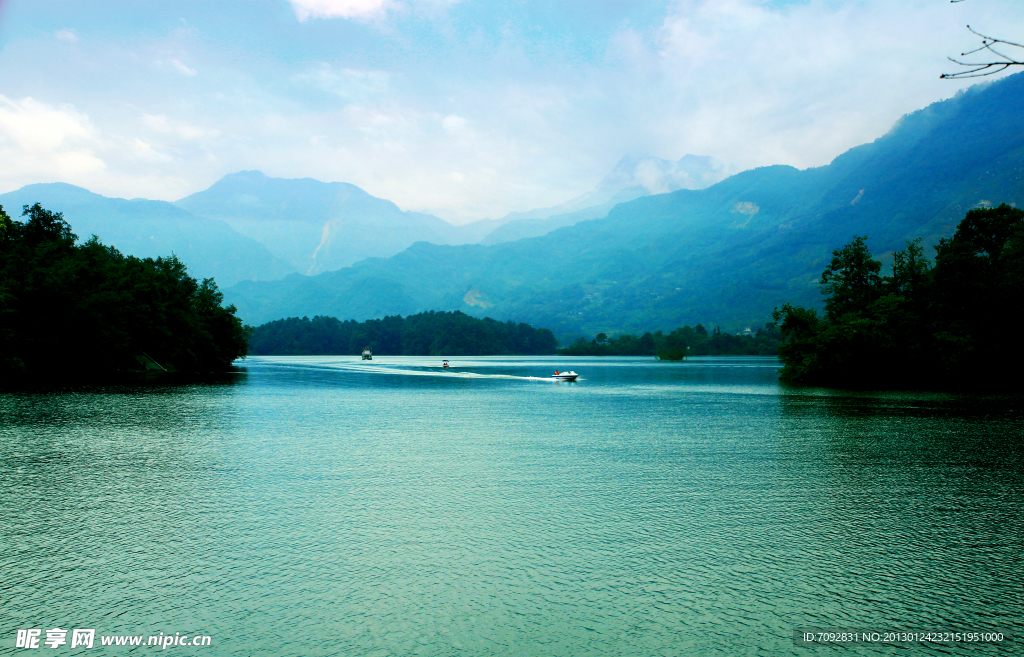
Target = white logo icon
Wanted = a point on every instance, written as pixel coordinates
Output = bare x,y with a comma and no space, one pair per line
82,638
56,637
28,639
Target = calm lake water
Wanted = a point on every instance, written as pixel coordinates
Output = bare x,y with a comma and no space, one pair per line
325,506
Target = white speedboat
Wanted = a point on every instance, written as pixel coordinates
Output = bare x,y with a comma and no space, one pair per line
564,376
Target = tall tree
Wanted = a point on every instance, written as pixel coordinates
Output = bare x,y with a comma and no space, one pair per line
851,280
978,293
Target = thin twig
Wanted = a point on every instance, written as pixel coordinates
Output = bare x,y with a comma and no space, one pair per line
981,69
993,39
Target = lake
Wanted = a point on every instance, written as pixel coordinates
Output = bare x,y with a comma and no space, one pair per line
329,506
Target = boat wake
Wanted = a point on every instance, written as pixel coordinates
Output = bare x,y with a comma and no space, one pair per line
449,373
361,366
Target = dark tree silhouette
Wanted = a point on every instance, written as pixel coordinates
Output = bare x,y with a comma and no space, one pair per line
424,334
86,312
951,325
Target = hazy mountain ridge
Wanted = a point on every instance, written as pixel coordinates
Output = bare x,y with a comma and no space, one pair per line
248,226
729,253
144,228
317,226
633,176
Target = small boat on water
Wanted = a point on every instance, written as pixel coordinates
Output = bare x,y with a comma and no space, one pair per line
564,376
367,354
445,365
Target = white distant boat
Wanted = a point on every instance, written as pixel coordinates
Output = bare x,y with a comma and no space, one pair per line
564,376
367,354
445,365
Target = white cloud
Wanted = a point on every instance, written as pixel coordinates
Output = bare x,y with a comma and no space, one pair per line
181,68
66,35
161,124
39,141
145,151
156,122
758,84
472,121
357,9
346,83
192,132
454,124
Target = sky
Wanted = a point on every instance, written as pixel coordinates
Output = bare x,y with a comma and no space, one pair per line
463,108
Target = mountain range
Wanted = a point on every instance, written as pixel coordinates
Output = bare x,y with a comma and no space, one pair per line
726,254
316,226
656,244
248,226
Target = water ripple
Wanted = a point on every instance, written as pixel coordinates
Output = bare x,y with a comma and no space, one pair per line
322,506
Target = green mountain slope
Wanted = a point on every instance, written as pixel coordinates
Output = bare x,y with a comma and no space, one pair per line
726,254
149,229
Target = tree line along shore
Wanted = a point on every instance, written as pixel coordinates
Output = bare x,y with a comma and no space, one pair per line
423,334
680,343
84,310
457,334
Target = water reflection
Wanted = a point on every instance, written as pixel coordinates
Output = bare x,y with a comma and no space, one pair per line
313,507
911,501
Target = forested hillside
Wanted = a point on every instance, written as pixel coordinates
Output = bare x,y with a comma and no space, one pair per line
424,334
728,254
85,311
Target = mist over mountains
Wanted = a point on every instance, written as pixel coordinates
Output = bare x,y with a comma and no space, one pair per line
210,248
655,244
249,226
727,254
316,226
634,176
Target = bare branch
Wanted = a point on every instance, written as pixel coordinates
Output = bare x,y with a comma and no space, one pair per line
993,39
980,69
